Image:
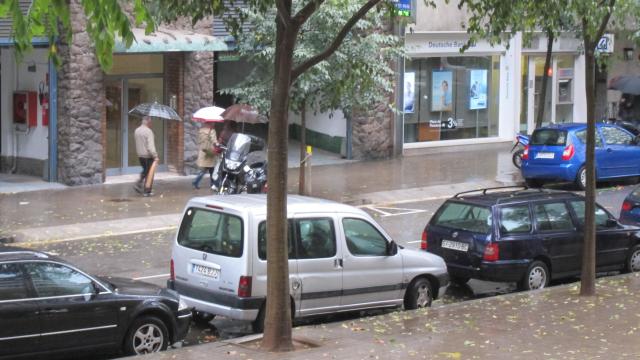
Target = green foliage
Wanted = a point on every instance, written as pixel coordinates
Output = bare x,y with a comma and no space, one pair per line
358,74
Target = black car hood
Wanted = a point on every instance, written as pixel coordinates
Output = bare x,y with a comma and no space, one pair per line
131,287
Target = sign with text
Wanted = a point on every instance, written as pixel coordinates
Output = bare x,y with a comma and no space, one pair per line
477,89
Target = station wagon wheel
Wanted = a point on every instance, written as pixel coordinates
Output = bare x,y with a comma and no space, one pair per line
633,262
581,178
147,335
419,295
536,277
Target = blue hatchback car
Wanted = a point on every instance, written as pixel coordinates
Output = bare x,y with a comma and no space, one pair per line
558,152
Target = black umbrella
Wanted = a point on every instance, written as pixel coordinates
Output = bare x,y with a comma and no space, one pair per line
155,110
627,84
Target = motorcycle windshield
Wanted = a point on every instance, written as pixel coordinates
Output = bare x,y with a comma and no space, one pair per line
238,146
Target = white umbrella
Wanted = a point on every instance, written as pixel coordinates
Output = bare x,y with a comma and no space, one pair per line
209,114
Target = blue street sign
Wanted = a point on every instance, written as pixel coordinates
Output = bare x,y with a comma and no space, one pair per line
403,7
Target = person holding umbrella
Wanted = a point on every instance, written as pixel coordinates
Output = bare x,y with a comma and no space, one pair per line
206,156
147,154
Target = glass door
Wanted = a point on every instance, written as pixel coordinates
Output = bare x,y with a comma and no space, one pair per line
142,91
113,94
121,147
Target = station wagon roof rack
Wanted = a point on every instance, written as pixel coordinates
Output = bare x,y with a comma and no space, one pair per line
25,252
499,188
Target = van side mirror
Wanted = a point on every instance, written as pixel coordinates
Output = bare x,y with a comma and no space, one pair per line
392,248
611,223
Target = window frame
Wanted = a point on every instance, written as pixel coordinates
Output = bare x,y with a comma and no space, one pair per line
604,129
514,233
292,239
567,208
298,239
580,223
387,240
183,228
26,282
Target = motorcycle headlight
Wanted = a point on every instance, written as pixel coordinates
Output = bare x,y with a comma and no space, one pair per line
182,305
231,165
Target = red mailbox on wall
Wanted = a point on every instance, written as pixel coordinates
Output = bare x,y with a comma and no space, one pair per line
25,108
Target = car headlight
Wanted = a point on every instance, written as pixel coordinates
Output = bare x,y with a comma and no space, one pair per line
182,305
231,165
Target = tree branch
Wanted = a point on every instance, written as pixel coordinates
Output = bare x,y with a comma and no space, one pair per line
284,12
304,66
605,21
305,13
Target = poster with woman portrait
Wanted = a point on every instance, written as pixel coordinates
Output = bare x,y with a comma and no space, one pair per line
409,92
441,90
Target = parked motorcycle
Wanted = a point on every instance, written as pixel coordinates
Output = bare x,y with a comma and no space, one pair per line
237,172
522,140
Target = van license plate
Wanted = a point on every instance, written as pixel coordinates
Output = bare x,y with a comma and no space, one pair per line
206,271
454,245
545,155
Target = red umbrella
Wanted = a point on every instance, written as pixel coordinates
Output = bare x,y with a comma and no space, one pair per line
243,113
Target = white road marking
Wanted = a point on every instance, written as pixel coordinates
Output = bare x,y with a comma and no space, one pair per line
151,277
409,201
401,211
414,242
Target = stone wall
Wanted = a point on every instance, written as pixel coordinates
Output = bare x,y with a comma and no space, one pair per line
80,107
372,133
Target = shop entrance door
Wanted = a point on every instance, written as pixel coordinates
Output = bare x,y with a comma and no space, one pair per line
558,106
121,147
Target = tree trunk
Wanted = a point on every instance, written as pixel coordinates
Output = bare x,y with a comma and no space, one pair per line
277,327
303,148
545,80
588,276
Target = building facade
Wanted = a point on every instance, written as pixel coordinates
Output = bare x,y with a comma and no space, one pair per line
76,128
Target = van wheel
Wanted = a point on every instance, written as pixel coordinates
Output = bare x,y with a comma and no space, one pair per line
633,261
258,324
201,317
459,280
581,178
536,277
419,295
147,335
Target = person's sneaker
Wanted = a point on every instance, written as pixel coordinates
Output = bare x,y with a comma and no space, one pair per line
214,188
195,186
147,194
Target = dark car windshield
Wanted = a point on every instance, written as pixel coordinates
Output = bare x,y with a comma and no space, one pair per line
549,137
211,231
464,217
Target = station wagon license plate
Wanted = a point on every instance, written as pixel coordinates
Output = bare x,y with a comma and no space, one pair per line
454,245
545,155
206,271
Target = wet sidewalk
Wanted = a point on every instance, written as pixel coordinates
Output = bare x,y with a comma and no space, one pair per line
109,209
554,323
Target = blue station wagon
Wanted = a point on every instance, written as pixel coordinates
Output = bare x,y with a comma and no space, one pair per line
558,153
526,236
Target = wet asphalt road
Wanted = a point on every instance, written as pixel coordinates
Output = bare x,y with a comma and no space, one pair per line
146,257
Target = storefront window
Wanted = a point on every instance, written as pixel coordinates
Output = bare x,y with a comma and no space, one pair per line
447,98
564,103
137,64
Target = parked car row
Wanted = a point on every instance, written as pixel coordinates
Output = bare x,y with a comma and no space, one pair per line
340,260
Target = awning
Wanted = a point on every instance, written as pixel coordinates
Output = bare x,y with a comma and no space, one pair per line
164,40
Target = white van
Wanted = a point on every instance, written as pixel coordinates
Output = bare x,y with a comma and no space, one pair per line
340,259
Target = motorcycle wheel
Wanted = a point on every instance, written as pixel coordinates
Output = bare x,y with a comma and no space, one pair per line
517,158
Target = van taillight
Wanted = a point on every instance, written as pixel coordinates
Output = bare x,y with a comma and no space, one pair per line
626,206
172,272
244,286
423,242
491,252
525,153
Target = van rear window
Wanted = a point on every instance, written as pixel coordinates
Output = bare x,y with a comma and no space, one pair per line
552,137
212,232
464,217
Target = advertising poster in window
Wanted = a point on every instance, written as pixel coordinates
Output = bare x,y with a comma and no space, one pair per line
441,91
477,89
409,92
